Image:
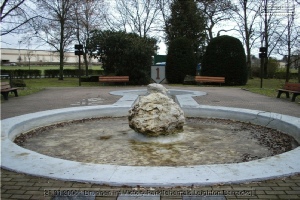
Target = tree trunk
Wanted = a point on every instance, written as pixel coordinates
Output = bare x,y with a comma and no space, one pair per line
61,51
86,63
266,40
61,57
298,74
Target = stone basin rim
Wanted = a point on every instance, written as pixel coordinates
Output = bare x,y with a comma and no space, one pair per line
22,160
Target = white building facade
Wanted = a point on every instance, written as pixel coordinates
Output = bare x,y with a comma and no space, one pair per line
9,56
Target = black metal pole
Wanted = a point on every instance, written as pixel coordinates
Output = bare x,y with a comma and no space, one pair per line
261,71
79,70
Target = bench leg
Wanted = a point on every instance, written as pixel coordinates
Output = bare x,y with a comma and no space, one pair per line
5,95
15,92
294,97
286,93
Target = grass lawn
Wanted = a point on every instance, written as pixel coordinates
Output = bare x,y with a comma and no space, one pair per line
36,85
269,88
44,67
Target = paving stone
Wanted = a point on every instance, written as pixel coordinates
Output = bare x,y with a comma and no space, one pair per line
289,196
4,195
274,192
43,184
38,197
256,192
75,197
138,197
86,185
204,197
31,188
20,196
170,198
11,187
15,191
281,188
34,192
293,192
25,184
8,183
106,198
262,188
287,184
22,179
6,179
296,188
267,197
268,184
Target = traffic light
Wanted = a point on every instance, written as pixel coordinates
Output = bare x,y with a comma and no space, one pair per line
262,52
78,49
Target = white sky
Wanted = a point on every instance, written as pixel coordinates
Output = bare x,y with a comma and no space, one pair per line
12,41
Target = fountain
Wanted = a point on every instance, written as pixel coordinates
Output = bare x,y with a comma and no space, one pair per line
20,159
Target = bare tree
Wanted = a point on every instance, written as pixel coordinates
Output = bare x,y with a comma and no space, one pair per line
271,26
289,40
54,26
216,12
137,16
14,15
88,16
246,18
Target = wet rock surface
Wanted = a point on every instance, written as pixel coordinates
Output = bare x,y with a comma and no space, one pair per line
110,141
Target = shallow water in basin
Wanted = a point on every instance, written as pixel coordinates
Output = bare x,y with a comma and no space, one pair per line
111,141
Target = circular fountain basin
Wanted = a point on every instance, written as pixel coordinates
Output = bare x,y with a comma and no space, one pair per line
23,160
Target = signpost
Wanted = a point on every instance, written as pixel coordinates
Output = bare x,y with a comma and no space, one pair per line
79,52
158,73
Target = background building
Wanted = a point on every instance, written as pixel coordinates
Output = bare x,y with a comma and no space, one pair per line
22,56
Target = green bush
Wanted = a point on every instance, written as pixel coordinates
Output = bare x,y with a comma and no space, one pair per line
51,73
225,57
18,83
93,78
181,60
282,75
126,54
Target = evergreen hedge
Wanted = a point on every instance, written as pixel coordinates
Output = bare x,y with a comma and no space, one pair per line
181,60
225,57
48,73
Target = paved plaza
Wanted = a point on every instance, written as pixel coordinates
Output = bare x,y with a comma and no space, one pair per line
20,186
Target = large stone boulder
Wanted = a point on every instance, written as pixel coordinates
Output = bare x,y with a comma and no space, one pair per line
156,114
155,87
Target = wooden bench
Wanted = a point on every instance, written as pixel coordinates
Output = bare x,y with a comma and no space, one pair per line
6,88
209,79
112,79
288,88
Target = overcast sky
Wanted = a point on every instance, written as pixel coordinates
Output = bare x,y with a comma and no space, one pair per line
15,40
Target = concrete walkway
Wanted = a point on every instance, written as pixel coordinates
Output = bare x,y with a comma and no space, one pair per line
20,186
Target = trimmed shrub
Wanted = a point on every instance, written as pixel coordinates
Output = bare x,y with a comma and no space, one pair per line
51,73
18,83
126,54
181,60
225,57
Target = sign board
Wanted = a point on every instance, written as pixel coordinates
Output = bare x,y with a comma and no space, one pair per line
158,73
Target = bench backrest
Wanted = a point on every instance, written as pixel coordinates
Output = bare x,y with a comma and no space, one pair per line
113,78
209,79
5,85
292,86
